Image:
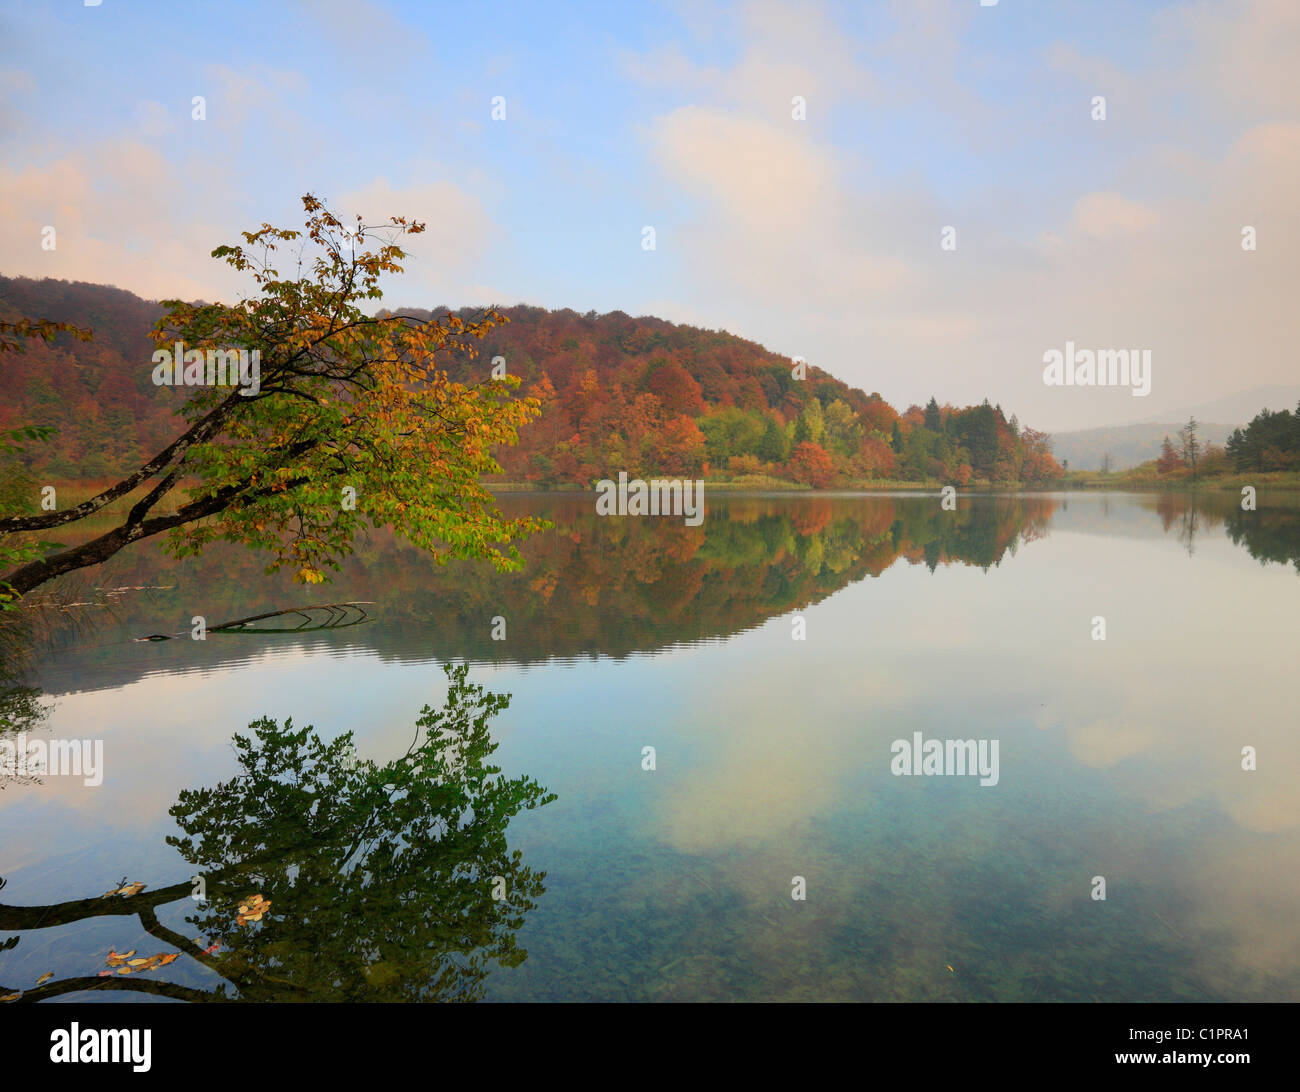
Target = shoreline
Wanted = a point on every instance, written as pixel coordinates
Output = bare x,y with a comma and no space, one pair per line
1271,482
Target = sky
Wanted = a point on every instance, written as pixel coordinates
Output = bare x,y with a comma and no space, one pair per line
818,236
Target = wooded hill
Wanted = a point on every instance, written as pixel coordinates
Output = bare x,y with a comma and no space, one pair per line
641,395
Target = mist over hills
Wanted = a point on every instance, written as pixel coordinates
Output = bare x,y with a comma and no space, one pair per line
1135,442
1129,445
1236,408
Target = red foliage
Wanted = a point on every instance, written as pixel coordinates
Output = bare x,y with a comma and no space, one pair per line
679,448
676,390
617,393
1169,458
879,416
810,464
875,458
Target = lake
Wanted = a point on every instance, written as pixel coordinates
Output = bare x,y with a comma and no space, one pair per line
771,658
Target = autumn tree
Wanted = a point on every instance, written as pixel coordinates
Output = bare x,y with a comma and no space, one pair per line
17,489
1038,464
843,429
676,389
811,424
875,458
678,448
354,422
878,415
731,432
811,465
1169,458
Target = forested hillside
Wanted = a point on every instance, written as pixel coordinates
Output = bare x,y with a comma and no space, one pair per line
640,395
98,394
650,397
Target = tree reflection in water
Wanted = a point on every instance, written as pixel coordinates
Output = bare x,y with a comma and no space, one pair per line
388,882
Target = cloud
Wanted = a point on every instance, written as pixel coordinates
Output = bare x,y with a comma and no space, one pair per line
806,241
153,118
458,235
236,96
15,80
121,217
819,237
1110,216
1244,52
124,214
787,50
352,25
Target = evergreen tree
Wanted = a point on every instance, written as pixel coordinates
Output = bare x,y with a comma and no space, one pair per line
1190,444
775,445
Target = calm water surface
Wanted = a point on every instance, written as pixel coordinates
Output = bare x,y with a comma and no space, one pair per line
1119,759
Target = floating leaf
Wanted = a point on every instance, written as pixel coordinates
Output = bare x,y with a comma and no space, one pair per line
103,973
126,890
252,908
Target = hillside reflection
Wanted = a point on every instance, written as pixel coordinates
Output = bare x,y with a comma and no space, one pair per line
592,586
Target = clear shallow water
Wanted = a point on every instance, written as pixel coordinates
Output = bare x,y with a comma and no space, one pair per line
1119,759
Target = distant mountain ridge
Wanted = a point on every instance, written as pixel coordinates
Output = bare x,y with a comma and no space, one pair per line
1136,442
1237,408
1129,445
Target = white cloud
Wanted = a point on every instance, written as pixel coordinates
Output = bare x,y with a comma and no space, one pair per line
833,263
122,217
153,118
458,234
